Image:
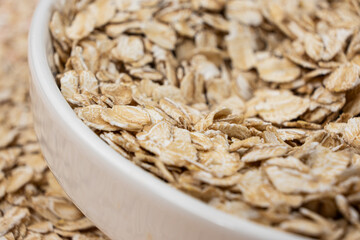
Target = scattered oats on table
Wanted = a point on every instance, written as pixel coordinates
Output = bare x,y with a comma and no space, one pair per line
251,106
33,206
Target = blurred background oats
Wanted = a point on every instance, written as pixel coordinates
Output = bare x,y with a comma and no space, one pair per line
32,204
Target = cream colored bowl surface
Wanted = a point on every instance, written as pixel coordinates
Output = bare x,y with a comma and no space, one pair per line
120,198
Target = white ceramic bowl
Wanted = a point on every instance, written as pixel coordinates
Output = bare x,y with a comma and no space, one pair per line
120,198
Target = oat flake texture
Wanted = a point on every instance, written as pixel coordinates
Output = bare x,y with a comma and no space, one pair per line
251,106
33,206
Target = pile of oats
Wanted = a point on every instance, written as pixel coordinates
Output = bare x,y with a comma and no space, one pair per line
251,106
32,204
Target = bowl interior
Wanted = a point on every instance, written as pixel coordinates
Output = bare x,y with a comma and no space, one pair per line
42,67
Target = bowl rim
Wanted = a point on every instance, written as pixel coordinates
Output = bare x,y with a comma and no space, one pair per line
46,84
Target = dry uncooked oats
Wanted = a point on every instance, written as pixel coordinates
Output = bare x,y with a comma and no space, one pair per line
251,106
32,203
